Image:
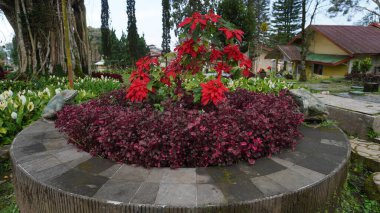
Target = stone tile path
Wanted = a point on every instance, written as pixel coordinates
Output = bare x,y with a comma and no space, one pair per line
368,150
361,106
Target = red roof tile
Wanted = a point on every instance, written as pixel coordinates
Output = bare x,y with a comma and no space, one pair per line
352,39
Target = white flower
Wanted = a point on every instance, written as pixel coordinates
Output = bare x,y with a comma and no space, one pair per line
10,93
23,99
30,106
58,90
3,105
2,98
14,115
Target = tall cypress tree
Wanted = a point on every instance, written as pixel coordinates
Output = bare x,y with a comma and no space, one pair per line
106,45
286,19
133,36
166,26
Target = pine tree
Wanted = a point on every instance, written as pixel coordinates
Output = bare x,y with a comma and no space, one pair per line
106,46
166,26
286,19
133,36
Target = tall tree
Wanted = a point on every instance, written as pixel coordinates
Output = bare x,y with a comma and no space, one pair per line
185,8
133,36
349,7
38,26
106,46
66,30
166,26
286,19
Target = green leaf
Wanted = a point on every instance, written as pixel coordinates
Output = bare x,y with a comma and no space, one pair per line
150,85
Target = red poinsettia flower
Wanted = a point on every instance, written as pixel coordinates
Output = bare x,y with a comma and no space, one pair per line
145,62
212,16
215,55
221,66
213,91
194,20
247,63
138,75
269,68
247,73
233,52
138,90
187,47
232,33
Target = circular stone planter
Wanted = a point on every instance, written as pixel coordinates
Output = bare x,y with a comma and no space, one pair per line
52,176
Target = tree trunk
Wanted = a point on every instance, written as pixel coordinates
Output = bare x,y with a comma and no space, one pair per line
38,25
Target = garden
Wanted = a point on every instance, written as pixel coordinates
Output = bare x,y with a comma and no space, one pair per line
175,116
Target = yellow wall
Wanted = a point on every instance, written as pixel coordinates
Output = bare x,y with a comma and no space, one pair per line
328,71
339,70
321,45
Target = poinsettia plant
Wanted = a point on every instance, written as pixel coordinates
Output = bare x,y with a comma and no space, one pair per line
201,50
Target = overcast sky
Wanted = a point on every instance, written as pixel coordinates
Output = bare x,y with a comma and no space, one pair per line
149,23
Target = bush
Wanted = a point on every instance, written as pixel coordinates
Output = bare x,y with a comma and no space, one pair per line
247,126
108,75
367,77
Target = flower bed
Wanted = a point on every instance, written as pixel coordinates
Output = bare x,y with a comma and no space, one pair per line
176,116
108,75
247,126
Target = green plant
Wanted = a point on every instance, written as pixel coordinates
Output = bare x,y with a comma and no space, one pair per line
328,123
362,65
372,134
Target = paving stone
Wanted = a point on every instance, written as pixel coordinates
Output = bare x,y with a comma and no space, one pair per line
69,155
132,174
290,179
180,175
374,147
79,182
118,190
266,166
76,162
318,164
95,165
54,144
110,172
156,175
40,164
268,186
146,194
177,194
209,194
50,173
333,142
313,175
203,176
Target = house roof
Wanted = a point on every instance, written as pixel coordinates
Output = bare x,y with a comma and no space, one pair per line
352,39
291,52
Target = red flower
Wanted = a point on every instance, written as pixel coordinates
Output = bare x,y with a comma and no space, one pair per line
269,68
221,66
186,48
213,91
215,55
145,62
212,16
138,90
138,75
247,73
232,33
194,20
247,63
233,52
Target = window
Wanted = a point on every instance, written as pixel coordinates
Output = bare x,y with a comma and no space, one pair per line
318,69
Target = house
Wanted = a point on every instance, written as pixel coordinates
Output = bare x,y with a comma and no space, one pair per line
154,51
260,62
100,65
332,49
